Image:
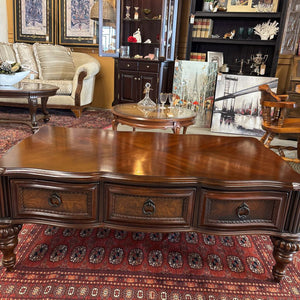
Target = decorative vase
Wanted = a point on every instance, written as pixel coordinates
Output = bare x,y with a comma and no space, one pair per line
11,79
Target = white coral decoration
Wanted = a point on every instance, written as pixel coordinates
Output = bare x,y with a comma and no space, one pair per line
266,30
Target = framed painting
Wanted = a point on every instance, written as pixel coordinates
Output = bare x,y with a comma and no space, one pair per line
34,21
76,26
239,5
237,107
268,6
216,57
194,85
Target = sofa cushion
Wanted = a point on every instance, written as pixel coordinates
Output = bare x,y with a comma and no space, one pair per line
25,56
54,62
65,86
7,52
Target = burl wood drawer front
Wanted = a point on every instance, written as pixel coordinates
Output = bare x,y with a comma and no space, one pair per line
233,209
149,206
57,200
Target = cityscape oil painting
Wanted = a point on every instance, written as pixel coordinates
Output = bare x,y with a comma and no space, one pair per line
237,107
194,85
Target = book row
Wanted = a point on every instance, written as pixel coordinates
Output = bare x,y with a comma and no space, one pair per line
202,28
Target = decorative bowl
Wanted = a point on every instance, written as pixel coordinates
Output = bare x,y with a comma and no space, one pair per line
11,79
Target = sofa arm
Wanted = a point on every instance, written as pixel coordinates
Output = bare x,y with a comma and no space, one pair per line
87,68
91,68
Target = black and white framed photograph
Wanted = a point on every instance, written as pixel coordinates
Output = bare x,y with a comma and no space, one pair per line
216,57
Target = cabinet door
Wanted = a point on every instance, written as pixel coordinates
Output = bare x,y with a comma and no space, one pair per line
152,78
109,28
128,86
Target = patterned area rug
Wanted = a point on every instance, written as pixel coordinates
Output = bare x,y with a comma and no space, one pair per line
58,263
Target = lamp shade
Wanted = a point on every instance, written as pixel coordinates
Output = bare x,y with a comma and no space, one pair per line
108,12
94,14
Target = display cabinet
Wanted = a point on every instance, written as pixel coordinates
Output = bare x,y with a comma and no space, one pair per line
141,35
240,49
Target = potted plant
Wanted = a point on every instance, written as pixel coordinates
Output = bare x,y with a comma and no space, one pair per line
207,5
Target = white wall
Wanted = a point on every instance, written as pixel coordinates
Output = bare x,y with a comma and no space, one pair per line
3,22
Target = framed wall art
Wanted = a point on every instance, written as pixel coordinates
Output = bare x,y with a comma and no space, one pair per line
75,25
216,57
264,5
239,6
34,21
237,107
252,6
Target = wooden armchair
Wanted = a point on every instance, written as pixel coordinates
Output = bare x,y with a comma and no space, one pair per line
274,111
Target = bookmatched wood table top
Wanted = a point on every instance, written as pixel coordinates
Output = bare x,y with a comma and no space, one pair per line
147,181
135,115
31,91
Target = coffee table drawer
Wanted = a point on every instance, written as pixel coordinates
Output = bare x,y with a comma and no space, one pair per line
148,207
54,200
235,209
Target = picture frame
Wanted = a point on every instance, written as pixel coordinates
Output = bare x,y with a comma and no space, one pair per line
217,57
239,6
37,26
267,6
75,26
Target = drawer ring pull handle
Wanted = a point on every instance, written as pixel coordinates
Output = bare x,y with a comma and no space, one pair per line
54,200
243,211
149,208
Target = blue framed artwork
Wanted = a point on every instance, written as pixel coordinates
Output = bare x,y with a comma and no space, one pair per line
34,21
75,25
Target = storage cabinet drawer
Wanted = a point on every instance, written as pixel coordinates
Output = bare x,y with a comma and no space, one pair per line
235,209
149,67
128,65
148,207
54,200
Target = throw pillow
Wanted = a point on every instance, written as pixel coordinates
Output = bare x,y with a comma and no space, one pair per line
54,62
25,57
7,52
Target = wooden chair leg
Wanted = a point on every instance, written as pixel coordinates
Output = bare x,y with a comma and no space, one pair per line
264,137
270,139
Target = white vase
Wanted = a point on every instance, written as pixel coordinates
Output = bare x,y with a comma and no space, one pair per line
206,6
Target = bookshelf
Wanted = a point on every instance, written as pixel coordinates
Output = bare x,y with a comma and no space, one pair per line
242,46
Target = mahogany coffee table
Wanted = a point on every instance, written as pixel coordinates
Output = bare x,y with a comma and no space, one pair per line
152,182
31,91
154,118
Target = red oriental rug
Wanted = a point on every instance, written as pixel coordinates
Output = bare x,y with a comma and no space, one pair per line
59,263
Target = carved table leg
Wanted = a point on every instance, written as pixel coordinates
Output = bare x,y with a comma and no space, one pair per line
44,109
283,253
115,124
8,242
176,128
32,101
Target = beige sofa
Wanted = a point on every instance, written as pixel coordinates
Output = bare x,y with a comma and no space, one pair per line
73,72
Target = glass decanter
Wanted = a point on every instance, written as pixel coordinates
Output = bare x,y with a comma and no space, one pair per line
147,101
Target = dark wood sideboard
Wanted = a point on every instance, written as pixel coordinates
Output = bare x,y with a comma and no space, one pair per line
148,181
